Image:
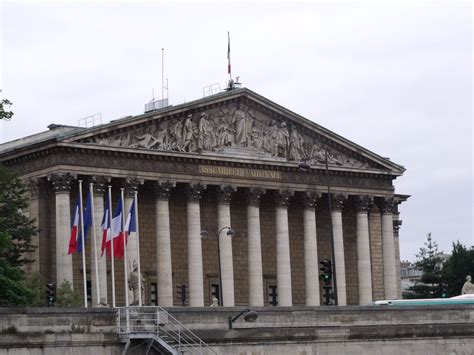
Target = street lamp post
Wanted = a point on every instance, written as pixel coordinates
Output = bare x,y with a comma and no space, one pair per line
204,235
305,167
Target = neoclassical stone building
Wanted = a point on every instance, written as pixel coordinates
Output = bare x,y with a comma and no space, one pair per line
294,193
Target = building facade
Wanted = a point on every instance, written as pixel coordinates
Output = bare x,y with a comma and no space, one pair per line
293,192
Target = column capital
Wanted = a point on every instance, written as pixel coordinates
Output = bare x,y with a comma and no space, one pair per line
224,193
36,187
282,197
338,201
163,189
386,204
194,191
363,203
131,185
100,183
61,181
253,195
310,199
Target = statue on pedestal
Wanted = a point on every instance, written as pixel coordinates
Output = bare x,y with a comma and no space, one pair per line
135,281
468,286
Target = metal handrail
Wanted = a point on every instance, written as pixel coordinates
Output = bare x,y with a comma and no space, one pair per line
154,321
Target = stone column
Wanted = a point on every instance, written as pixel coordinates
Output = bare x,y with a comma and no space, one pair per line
397,223
62,186
224,196
311,263
163,244
283,248
388,250
195,271
338,245
131,186
100,187
255,268
36,189
364,270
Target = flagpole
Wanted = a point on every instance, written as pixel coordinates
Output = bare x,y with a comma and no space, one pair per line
111,246
91,194
81,214
124,249
228,56
138,251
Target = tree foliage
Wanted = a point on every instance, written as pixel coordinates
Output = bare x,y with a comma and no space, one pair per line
429,260
66,296
457,267
14,289
14,224
16,231
4,114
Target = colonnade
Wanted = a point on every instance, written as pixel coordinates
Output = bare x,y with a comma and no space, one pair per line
61,184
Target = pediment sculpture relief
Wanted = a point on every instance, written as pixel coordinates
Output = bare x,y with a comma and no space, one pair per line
231,130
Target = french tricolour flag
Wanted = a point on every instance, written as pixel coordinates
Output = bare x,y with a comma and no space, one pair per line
75,240
131,224
87,216
105,225
74,228
117,232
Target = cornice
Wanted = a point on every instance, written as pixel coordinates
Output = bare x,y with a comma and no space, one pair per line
194,158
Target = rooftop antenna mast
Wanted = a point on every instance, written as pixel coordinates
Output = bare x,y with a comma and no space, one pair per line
162,74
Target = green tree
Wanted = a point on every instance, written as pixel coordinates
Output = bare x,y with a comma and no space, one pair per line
4,114
14,289
16,232
66,296
37,298
13,222
429,260
457,267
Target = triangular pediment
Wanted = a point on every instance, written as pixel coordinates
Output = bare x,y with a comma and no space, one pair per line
238,124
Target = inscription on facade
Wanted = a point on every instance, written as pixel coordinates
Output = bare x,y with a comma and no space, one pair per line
240,172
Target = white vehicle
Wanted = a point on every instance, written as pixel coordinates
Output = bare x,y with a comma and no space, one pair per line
463,299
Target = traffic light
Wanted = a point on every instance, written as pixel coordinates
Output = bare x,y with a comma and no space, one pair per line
182,293
50,294
444,291
326,277
326,269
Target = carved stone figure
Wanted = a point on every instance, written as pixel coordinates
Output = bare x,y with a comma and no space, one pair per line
147,140
134,282
270,139
205,134
282,140
188,133
318,155
241,122
296,149
468,286
226,127
224,130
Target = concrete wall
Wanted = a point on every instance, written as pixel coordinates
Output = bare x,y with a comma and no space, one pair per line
58,331
295,330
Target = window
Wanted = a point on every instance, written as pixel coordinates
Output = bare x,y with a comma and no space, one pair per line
89,293
272,295
153,292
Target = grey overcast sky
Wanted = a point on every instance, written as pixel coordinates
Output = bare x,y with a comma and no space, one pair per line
395,78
